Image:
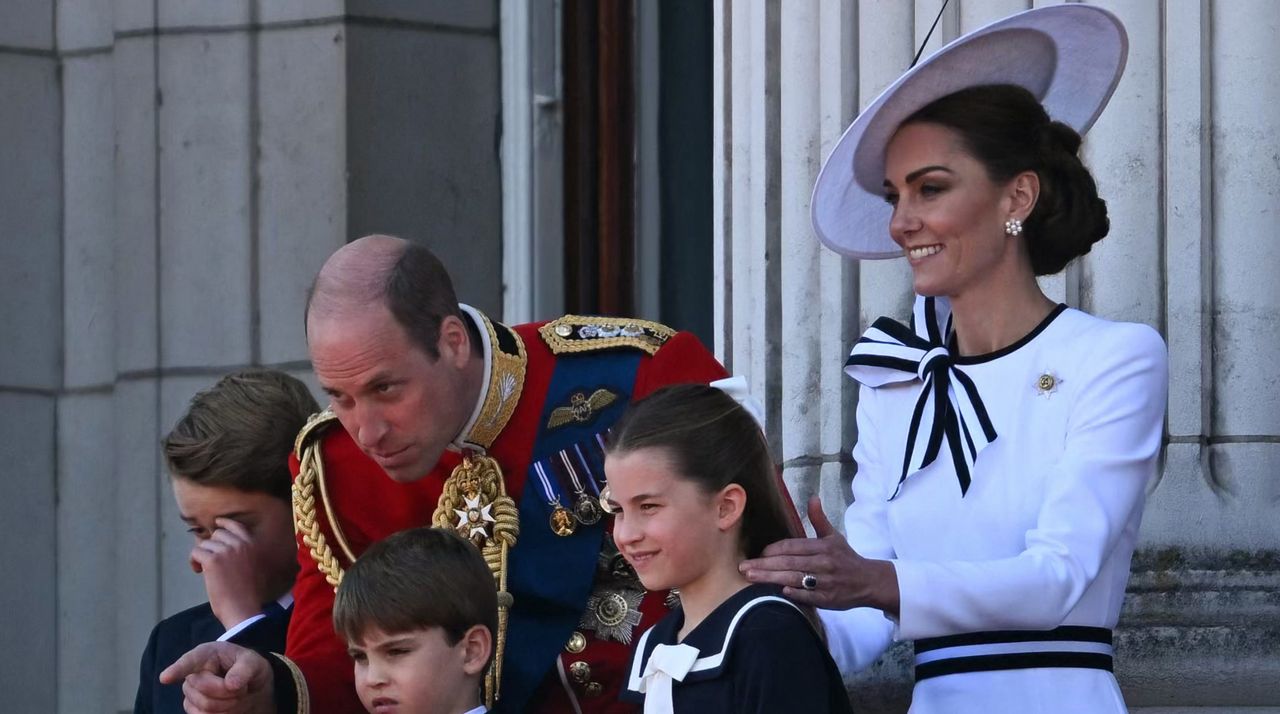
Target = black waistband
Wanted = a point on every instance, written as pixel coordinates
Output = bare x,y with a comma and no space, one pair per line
964,663
1064,633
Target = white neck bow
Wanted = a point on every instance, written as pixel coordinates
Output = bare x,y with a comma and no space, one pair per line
667,663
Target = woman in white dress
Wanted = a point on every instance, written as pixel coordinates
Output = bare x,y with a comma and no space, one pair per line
1004,442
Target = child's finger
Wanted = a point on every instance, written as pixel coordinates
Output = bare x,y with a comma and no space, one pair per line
200,555
233,527
209,547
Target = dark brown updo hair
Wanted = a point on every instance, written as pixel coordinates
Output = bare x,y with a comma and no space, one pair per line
1008,132
712,441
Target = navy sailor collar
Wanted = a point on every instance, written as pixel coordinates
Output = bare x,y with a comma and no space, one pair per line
713,637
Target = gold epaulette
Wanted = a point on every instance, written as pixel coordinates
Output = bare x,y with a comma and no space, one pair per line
310,476
578,333
315,426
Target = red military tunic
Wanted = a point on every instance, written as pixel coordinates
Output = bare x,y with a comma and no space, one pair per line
369,506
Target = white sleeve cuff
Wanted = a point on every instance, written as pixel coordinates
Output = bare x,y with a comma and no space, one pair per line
856,638
238,628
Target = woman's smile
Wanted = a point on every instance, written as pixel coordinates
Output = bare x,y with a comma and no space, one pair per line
919,253
945,204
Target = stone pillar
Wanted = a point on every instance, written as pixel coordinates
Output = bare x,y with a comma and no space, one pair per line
86,423
31,255
818,46
887,34
136,327
1184,156
749,275
31,319
422,110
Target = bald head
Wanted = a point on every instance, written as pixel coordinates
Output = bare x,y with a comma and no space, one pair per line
355,277
381,271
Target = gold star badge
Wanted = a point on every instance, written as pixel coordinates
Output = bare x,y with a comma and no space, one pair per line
1047,383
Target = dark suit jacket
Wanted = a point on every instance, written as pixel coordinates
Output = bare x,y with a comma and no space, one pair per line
175,635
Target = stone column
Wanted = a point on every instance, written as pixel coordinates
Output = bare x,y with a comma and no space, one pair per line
31,254
1211,568
818,311
86,419
422,128
136,459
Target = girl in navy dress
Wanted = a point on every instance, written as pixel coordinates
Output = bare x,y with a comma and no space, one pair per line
693,492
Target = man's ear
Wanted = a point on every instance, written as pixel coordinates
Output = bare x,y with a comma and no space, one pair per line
454,343
1024,192
731,502
477,644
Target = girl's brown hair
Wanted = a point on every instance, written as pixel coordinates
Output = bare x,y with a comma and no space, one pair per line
712,441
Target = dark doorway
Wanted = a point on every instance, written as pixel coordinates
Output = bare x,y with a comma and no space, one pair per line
600,69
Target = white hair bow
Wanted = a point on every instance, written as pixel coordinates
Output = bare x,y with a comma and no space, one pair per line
736,387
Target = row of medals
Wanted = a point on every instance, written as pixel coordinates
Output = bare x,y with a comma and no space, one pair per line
586,511
613,609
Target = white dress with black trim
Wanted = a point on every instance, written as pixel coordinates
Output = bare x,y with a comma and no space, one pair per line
756,653
1012,550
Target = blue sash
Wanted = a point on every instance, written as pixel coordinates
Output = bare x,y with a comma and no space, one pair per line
550,576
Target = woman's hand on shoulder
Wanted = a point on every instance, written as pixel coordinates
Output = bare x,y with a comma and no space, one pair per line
838,577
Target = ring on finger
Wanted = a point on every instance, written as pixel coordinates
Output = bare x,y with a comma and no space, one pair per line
809,581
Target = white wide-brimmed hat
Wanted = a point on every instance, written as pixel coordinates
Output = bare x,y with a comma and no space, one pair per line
1069,56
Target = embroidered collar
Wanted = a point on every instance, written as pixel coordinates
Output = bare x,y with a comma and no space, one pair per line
712,638
505,363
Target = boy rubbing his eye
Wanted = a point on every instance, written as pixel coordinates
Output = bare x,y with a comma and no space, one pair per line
228,460
418,611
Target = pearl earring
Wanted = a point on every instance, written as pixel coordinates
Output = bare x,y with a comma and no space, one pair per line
1013,227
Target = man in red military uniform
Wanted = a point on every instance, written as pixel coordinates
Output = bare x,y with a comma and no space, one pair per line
491,430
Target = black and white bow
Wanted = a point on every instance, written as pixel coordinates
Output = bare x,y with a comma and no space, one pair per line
949,404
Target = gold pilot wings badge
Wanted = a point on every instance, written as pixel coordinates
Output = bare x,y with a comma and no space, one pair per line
581,408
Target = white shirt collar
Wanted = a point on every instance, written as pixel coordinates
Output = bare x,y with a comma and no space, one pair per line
460,442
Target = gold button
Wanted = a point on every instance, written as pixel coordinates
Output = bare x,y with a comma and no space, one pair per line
577,643
580,672
594,689
564,330
1046,382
